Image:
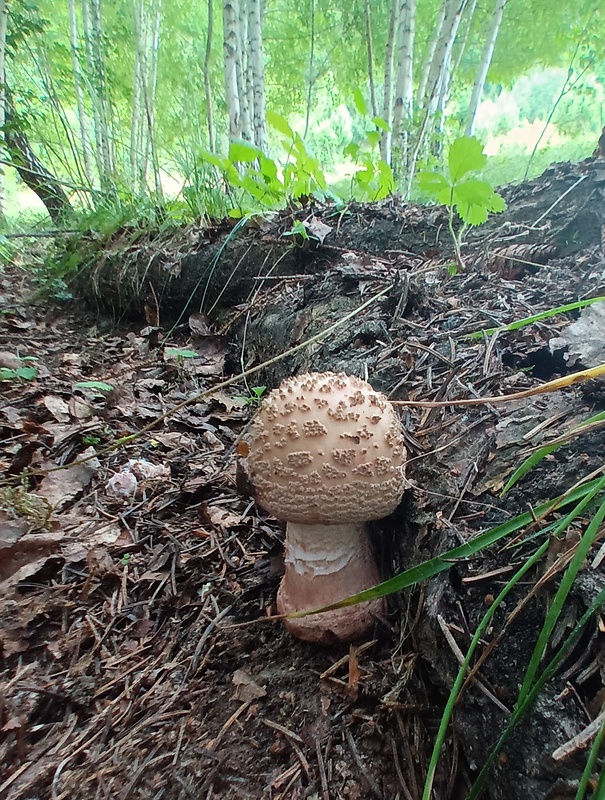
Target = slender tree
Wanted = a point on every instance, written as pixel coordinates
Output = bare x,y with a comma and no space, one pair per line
370,49
230,17
404,91
243,72
484,64
3,29
79,89
389,59
256,56
207,81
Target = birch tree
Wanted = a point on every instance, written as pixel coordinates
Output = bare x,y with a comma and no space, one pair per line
230,42
256,56
389,58
98,90
484,64
242,67
147,18
79,89
3,28
207,81
370,49
404,91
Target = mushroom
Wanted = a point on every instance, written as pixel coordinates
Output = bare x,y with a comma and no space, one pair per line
326,455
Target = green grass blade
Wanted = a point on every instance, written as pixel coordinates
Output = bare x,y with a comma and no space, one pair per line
590,763
428,569
520,710
522,323
536,457
566,584
463,669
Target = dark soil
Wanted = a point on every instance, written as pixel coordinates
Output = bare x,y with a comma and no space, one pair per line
137,658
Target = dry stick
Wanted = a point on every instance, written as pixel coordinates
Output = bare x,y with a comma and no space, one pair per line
551,386
220,386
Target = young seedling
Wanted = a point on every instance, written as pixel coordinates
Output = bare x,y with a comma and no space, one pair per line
472,198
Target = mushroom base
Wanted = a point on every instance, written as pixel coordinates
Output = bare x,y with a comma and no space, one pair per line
325,564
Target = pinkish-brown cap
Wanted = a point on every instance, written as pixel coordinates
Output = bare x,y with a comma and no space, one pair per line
327,449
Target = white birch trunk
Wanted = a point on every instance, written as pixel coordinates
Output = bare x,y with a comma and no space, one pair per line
230,54
74,41
370,49
311,77
3,28
404,90
241,67
486,60
255,36
387,102
430,55
207,82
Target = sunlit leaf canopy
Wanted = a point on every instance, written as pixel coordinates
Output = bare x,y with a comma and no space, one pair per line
545,83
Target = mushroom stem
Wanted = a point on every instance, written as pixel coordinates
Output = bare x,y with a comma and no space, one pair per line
325,564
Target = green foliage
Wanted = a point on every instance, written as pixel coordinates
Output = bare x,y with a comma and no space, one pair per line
471,197
374,179
21,373
254,398
98,387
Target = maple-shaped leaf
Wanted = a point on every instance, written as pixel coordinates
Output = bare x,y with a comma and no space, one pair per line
465,155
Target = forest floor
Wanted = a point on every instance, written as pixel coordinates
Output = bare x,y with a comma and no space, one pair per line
135,578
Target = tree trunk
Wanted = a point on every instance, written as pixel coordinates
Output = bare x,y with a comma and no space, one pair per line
95,58
404,91
207,83
30,169
255,35
370,48
241,68
486,60
311,76
3,27
430,54
230,51
387,103
74,43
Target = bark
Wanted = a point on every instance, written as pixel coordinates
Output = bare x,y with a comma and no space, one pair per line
74,42
95,58
147,33
430,55
437,78
241,68
31,171
207,83
230,53
256,56
3,27
370,48
404,92
387,103
486,60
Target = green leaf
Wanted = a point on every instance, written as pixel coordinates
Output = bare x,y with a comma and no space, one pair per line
373,137
435,185
465,155
382,124
178,352
210,158
100,385
240,150
360,103
27,373
352,149
473,199
280,124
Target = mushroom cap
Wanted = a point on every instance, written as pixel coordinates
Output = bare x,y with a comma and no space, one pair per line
326,449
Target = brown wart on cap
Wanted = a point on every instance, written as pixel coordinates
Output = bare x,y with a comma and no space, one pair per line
326,455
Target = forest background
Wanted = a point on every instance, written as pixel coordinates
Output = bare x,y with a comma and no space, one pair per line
121,107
